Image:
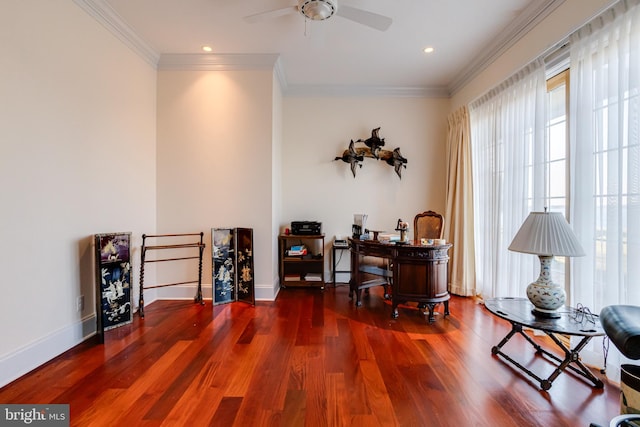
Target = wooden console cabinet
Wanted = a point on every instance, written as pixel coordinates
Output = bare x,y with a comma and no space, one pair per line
419,273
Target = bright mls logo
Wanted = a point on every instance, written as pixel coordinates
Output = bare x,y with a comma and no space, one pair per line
35,415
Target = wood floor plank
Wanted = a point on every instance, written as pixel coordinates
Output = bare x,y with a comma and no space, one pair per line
315,387
243,362
310,358
294,412
377,394
337,400
197,405
227,411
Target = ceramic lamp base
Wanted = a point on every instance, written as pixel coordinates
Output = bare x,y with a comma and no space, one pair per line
546,296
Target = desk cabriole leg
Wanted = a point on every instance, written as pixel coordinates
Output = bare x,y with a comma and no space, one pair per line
394,312
431,307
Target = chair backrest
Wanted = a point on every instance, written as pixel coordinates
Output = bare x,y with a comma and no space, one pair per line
427,225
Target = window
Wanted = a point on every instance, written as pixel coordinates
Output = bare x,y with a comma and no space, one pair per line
555,161
605,137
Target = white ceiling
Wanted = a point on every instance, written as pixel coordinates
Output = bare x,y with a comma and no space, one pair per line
466,34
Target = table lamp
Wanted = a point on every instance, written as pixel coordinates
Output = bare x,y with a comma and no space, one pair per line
546,234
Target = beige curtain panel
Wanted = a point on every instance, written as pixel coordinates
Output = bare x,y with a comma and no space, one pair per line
459,211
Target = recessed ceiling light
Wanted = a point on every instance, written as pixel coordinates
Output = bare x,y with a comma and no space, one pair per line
428,49
207,48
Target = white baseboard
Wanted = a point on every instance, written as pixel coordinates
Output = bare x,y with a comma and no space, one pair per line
25,359
264,292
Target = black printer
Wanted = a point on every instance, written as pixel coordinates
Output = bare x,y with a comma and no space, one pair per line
309,228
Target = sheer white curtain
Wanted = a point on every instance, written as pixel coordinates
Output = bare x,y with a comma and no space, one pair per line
605,142
507,139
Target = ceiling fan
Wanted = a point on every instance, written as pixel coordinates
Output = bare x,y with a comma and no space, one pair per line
319,10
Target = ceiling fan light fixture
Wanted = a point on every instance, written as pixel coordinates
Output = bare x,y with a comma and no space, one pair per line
318,10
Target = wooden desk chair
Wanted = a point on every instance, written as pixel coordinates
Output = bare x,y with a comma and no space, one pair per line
427,225
381,269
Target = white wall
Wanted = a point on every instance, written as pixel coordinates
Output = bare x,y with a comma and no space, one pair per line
77,157
315,187
276,183
214,164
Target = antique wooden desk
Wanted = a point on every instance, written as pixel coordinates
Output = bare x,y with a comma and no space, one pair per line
419,273
517,311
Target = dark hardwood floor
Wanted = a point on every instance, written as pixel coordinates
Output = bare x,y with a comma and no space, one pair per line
311,358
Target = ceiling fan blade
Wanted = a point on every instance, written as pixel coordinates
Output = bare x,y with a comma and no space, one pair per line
370,19
270,14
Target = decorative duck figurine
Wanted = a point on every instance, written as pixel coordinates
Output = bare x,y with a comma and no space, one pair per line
374,142
399,162
351,156
394,158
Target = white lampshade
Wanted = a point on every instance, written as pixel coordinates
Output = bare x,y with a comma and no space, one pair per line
546,233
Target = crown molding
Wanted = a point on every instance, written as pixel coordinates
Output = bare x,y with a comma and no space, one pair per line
531,16
272,61
366,91
217,62
281,75
105,15
109,18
